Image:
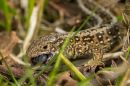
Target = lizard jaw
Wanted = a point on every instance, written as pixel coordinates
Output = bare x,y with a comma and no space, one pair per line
42,58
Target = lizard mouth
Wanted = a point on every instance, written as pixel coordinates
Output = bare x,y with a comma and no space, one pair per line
41,59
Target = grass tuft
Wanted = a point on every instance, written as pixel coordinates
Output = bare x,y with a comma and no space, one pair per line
8,13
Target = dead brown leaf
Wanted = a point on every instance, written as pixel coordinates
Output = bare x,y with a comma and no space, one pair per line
65,80
7,43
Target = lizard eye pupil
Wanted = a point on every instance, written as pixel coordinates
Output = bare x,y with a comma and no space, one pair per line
45,47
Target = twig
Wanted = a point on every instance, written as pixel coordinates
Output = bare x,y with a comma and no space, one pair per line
114,19
32,27
113,73
17,59
112,55
87,11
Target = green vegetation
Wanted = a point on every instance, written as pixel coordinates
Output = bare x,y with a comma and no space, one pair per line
31,75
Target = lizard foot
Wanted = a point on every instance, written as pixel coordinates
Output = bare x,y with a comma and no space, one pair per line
91,66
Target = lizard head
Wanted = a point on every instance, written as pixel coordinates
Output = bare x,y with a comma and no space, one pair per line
42,49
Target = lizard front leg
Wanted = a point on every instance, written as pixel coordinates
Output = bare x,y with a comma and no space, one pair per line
95,61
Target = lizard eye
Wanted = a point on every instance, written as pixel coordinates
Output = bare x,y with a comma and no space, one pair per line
39,59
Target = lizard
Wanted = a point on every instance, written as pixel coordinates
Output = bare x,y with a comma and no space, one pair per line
94,41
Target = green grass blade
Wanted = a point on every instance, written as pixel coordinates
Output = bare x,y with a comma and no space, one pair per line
46,67
9,69
72,67
54,72
66,61
86,82
5,8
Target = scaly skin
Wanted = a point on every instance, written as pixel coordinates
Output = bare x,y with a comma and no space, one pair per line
94,41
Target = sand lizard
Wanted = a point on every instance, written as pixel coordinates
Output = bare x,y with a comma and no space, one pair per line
94,41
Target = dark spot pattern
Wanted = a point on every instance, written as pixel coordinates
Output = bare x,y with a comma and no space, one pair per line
88,38
100,37
90,41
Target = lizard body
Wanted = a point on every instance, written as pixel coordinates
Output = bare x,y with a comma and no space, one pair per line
94,41
91,41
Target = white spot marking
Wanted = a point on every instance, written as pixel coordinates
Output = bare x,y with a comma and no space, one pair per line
108,39
80,50
101,42
109,32
100,36
91,41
